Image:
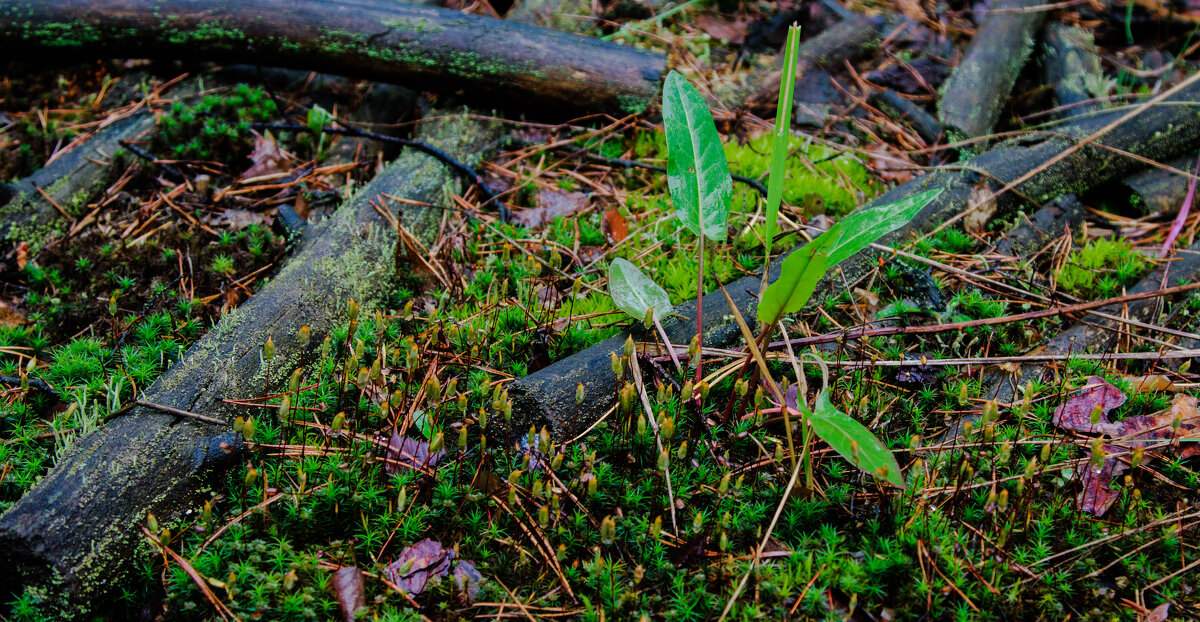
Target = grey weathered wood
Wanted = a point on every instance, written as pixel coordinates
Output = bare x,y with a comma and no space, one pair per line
547,397
1072,66
383,40
976,92
75,533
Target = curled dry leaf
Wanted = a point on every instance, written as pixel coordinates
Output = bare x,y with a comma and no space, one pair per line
1098,495
267,157
890,166
347,586
981,206
10,317
1151,384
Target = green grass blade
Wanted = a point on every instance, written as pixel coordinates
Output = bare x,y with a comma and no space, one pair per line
697,173
783,123
843,432
635,293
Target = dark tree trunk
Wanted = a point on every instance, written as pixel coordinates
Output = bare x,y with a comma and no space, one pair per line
76,533
547,397
425,47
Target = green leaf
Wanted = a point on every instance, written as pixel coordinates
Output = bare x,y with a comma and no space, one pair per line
857,230
800,274
783,125
425,424
798,277
697,172
842,433
318,118
634,292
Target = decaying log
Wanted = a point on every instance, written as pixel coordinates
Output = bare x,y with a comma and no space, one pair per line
383,40
900,109
547,397
846,40
1038,229
69,183
1070,62
75,534
565,15
1158,190
976,92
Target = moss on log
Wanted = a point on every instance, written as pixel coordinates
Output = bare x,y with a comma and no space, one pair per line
547,397
977,90
1072,66
427,47
74,536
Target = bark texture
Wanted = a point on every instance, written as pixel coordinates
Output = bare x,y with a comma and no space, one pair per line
547,397
1072,66
74,536
426,47
975,94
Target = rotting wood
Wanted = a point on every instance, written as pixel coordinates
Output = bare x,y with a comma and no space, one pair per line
565,15
1038,229
75,534
1072,66
427,47
1159,190
547,397
900,109
846,40
977,91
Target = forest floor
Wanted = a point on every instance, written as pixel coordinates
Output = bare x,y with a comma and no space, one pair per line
382,481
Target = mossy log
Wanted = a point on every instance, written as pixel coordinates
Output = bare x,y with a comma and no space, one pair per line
901,109
976,92
1072,66
69,182
383,40
75,535
565,15
1034,231
1158,190
547,397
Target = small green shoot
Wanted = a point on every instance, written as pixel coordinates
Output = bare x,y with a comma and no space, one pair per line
783,124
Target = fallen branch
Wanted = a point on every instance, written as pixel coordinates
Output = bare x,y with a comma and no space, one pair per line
1159,133
377,39
75,533
979,87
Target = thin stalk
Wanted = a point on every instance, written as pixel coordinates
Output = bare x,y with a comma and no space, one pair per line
700,309
667,342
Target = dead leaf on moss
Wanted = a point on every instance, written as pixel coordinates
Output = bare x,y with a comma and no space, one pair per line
404,453
267,157
733,31
348,588
551,204
425,563
9,316
615,226
1076,413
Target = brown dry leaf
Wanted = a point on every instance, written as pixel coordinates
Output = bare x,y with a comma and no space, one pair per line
1150,384
551,204
1097,495
615,226
1157,426
1158,614
267,157
1076,413
22,255
427,562
912,10
733,31
9,316
890,166
867,299
347,586
981,206
241,218
404,453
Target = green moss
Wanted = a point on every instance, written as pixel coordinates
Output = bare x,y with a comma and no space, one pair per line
1100,268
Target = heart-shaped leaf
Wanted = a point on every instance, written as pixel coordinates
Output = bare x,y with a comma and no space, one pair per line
697,172
854,441
635,293
798,277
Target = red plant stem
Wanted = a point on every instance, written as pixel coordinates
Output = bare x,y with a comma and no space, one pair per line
700,312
